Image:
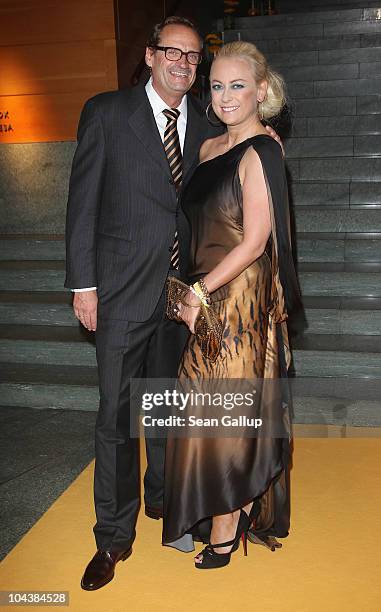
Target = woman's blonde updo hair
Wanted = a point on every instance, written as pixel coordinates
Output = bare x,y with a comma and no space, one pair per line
276,91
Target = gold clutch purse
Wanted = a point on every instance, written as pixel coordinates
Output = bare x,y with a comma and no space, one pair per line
208,326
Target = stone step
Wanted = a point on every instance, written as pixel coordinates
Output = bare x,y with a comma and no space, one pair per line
45,395
63,299
328,219
286,6
34,277
333,342
49,386
366,125
336,411
339,266
356,55
300,18
320,25
340,284
337,364
334,146
326,146
345,87
306,409
344,195
354,387
326,331
347,322
317,363
19,313
335,408
321,76
337,88
47,353
304,44
312,214
320,320
336,248
323,330
20,247
304,104
332,247
335,169
45,333
345,302
36,297
313,283
32,373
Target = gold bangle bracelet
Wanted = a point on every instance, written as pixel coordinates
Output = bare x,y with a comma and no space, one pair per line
204,296
205,290
197,290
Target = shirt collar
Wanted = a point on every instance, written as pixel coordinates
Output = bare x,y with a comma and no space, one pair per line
158,105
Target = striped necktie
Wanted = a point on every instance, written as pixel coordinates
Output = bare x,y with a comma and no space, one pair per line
173,151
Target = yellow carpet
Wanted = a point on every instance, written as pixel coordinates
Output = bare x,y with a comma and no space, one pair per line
330,562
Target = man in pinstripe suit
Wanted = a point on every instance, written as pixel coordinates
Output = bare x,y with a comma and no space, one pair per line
121,222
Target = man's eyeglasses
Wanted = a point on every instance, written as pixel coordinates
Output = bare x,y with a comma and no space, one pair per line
173,54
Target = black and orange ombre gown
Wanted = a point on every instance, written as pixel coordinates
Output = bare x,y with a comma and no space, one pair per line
210,476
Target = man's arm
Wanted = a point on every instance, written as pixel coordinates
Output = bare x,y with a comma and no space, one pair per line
276,137
85,191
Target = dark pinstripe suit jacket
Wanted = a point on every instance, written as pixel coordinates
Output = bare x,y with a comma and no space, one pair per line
122,207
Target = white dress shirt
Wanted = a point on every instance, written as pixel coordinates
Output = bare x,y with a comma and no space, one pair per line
158,105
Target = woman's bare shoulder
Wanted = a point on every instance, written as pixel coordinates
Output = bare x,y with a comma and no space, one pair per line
210,148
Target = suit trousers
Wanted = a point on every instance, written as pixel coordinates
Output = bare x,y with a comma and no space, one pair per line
126,350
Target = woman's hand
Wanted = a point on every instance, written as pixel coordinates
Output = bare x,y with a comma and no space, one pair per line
189,313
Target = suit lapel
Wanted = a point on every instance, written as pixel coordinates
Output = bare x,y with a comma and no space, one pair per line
143,123
195,134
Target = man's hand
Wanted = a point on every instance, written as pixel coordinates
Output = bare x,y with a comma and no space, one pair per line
274,135
85,305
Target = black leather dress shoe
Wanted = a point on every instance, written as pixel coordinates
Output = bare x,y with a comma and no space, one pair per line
154,513
101,568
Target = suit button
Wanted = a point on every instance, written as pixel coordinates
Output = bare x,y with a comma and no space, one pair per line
170,249
171,182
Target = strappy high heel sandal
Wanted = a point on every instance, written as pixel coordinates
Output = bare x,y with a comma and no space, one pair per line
212,559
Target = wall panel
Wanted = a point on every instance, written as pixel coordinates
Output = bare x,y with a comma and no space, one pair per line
54,55
41,21
42,118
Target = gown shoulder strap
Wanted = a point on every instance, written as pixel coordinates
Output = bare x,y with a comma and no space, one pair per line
270,154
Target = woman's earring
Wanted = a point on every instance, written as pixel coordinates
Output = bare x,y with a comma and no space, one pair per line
217,123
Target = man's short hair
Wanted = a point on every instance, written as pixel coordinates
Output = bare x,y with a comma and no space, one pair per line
154,38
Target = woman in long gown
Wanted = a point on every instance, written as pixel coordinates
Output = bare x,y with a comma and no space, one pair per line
237,206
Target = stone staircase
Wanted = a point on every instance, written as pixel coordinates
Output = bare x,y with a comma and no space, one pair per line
47,359
331,61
